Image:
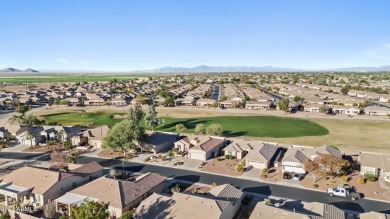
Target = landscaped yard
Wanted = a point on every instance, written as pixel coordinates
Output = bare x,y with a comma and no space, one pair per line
234,126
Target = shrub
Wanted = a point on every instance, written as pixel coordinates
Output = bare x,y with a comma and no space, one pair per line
361,180
343,172
315,185
228,157
239,168
370,177
147,159
265,171
344,179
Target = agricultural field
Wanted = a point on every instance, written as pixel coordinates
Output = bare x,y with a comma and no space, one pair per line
65,77
234,126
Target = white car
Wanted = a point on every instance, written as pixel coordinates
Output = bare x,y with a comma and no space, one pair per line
297,176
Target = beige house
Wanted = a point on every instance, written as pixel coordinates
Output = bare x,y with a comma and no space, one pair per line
309,210
222,202
373,214
256,154
296,156
37,186
205,102
157,142
377,111
93,137
200,147
122,195
257,105
375,163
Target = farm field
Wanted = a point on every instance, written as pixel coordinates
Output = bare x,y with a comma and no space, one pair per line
66,77
234,126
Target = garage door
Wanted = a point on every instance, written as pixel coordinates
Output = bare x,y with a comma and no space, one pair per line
257,165
293,169
197,156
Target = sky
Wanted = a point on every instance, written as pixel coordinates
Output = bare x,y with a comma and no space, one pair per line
127,35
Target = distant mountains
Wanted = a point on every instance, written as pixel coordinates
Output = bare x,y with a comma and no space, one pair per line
14,70
207,69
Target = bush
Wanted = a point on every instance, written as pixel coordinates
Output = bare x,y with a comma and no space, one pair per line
147,159
228,157
265,171
361,180
315,185
239,168
343,172
344,179
370,177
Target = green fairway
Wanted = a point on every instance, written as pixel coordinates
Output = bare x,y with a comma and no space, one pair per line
66,77
234,126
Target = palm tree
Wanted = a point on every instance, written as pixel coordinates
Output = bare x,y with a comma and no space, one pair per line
30,136
15,118
72,156
82,114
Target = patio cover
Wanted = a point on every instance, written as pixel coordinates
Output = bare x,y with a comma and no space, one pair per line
72,199
15,191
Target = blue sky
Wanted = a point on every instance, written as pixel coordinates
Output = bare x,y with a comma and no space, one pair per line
132,35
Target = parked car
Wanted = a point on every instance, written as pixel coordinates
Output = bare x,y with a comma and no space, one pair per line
297,176
286,175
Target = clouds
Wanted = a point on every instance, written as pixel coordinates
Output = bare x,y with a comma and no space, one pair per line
61,61
379,53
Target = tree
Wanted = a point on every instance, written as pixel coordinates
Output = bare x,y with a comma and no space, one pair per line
29,136
326,164
297,99
82,112
283,104
200,128
60,135
169,101
72,156
175,188
5,215
180,128
16,118
214,129
125,135
127,215
323,108
151,119
344,90
136,114
89,210
23,109
223,98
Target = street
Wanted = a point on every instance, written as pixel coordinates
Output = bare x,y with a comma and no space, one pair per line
363,205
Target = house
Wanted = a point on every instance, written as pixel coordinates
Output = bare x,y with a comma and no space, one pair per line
339,109
373,214
258,105
313,108
377,111
188,101
45,184
200,147
92,137
257,154
375,163
22,135
221,202
62,133
205,102
352,111
160,141
295,157
118,101
122,195
310,210
230,103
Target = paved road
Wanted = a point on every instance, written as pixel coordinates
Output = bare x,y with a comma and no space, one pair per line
305,195
19,155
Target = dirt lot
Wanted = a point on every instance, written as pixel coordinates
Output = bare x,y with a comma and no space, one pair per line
226,167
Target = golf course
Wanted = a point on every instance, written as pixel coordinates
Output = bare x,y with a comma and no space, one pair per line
233,126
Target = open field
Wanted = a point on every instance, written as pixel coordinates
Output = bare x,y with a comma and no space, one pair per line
234,126
348,135
66,77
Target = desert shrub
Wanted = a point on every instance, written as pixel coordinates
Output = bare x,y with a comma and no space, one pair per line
370,177
361,180
239,168
344,179
228,157
343,172
265,171
315,185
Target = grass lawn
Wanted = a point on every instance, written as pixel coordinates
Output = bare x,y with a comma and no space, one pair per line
66,77
234,126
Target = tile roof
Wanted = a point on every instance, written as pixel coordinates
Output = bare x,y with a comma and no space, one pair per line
119,193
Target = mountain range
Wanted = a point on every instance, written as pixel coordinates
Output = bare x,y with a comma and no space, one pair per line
216,69
14,70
